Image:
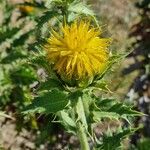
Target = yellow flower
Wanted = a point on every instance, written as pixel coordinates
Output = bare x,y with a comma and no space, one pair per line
78,52
26,9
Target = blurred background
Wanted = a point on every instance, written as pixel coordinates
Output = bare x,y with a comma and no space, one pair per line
126,21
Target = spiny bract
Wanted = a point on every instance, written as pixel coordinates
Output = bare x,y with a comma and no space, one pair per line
77,51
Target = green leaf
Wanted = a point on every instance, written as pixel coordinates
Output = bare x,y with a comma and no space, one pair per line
38,60
49,102
67,121
8,33
13,56
101,85
46,17
114,142
48,3
73,96
51,84
22,39
124,110
110,108
80,8
105,103
98,115
24,75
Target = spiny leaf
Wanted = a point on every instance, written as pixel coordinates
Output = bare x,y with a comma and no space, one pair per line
114,142
73,96
80,8
105,103
38,60
101,85
122,109
48,3
46,17
24,75
110,108
112,105
9,33
51,84
22,39
67,121
98,115
13,56
49,102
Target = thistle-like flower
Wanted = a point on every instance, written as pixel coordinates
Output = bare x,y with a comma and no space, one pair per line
26,9
77,51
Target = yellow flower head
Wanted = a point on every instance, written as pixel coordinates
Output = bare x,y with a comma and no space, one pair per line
26,9
78,52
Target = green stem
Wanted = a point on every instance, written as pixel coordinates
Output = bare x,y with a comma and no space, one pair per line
81,125
82,137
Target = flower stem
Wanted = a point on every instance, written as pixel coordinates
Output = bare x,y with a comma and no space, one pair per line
81,125
82,137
